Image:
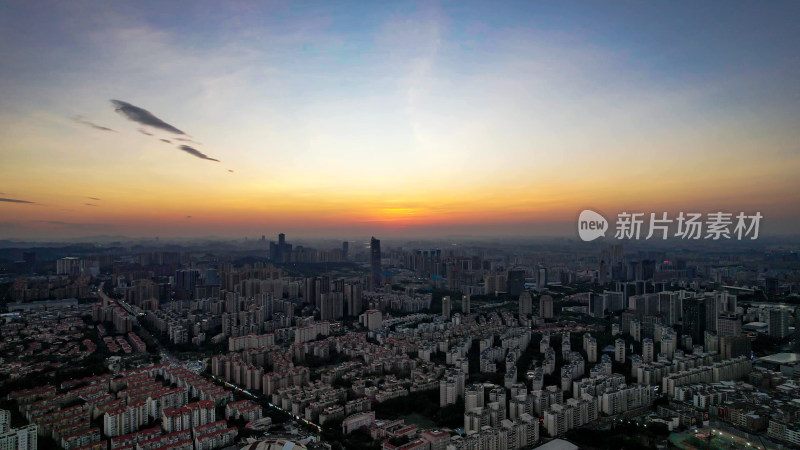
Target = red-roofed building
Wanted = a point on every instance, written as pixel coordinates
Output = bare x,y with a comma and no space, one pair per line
129,440
215,439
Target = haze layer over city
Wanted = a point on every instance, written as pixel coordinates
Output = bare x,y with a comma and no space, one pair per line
399,225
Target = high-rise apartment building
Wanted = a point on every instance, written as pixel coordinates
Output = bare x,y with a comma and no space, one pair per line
546,307
778,323
446,307
647,350
619,350
525,304
694,318
375,260
729,325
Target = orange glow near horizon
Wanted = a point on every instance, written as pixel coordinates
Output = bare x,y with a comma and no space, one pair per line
428,120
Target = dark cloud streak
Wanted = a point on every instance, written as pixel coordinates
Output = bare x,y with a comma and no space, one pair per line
188,140
143,131
83,121
143,116
93,198
195,152
14,200
166,140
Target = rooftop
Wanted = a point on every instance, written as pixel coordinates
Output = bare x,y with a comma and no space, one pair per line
781,358
558,444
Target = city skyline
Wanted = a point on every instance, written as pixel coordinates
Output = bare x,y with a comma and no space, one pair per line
391,120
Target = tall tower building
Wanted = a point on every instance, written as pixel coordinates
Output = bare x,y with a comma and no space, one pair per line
778,323
280,252
353,295
711,343
647,350
726,302
446,305
375,260
331,306
619,351
345,250
465,307
668,344
525,304
694,318
597,305
591,349
546,307
636,330
541,279
515,281
713,308
729,325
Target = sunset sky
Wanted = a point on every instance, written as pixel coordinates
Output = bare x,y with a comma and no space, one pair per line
392,118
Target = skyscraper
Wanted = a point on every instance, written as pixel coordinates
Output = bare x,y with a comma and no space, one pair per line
591,349
516,281
332,305
525,304
465,307
726,302
345,250
541,279
779,323
694,318
619,350
733,346
546,307
353,298
375,260
281,251
185,281
597,305
70,265
446,306
647,350
668,344
712,311
729,325
636,330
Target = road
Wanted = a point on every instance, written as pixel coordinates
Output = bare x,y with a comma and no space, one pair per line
135,313
171,359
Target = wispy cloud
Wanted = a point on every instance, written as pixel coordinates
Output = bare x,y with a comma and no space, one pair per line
81,120
14,200
142,116
89,204
93,198
143,131
188,140
413,43
195,152
230,170
188,217
166,140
